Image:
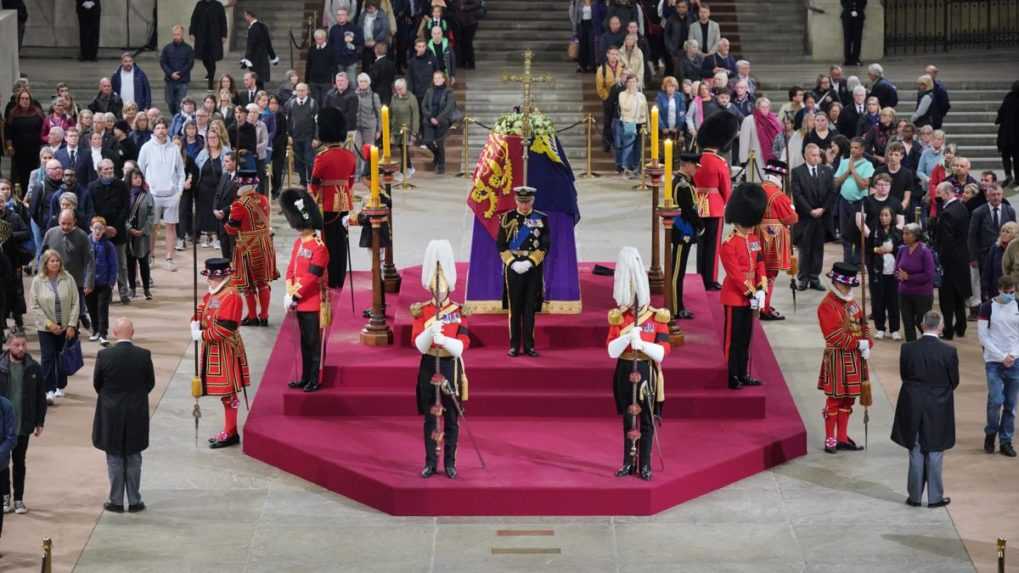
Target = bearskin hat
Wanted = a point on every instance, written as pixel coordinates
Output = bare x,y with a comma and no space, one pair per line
746,206
718,131
332,128
300,209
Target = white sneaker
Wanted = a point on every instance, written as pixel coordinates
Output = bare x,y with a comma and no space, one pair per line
896,335
7,504
205,243
169,265
94,337
411,172
19,507
879,335
49,398
215,244
103,342
180,245
59,393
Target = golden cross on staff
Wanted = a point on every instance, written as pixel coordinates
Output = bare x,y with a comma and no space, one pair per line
527,80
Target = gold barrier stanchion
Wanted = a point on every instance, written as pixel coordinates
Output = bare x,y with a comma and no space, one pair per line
405,158
47,555
642,186
290,162
590,150
465,150
1001,555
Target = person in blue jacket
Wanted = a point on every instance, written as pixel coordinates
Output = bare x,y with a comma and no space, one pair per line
10,437
138,89
99,285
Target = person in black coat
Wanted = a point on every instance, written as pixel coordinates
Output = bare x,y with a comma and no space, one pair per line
853,15
123,378
15,214
111,199
320,67
383,74
925,411
225,194
209,30
951,233
258,52
985,227
89,12
419,70
1008,135
813,194
31,409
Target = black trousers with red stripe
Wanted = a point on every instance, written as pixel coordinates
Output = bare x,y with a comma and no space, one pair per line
739,326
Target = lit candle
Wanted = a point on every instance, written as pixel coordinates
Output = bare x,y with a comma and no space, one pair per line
375,177
668,172
385,133
654,134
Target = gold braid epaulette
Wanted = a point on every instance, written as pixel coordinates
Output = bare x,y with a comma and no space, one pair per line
615,317
416,309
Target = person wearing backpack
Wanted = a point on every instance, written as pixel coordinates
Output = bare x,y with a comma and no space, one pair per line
999,338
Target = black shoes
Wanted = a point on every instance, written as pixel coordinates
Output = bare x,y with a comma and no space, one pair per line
912,503
831,449
231,441
645,473
450,472
735,384
749,381
513,353
531,352
135,508
263,322
713,286
850,446
297,384
944,501
113,508
249,322
684,315
802,286
311,387
771,314
989,443
1006,449
625,470
428,472
816,285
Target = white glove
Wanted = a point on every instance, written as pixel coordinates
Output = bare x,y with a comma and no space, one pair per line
759,296
754,305
275,60
636,342
520,267
196,331
246,63
436,328
439,338
863,345
865,353
346,222
288,301
88,5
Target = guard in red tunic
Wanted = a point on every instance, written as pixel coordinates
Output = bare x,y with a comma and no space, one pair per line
254,254
332,182
307,292
779,216
440,334
745,280
224,370
713,184
847,345
639,339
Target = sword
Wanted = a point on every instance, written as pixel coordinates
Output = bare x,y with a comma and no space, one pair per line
350,272
792,287
656,422
448,390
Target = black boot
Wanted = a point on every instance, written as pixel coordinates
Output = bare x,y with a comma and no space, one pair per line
645,472
625,470
311,387
450,471
1006,449
750,381
230,441
735,383
297,384
989,443
428,472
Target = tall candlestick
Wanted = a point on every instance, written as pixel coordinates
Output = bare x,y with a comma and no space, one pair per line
375,177
385,133
668,172
654,134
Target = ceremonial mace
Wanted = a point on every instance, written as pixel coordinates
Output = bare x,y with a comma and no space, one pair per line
634,409
438,381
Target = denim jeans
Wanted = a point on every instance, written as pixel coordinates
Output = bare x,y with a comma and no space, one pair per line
175,92
1002,387
626,145
50,346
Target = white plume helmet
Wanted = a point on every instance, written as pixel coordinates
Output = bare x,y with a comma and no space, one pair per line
630,278
440,252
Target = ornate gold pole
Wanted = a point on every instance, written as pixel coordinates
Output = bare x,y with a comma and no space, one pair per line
1001,554
589,120
390,277
377,332
47,555
656,280
405,159
290,162
642,186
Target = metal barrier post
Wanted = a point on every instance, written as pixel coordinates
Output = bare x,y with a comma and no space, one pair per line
589,173
465,152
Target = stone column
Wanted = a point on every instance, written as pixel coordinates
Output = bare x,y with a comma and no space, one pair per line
8,52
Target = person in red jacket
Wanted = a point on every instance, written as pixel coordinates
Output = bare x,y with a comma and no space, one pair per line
847,345
638,339
332,181
713,186
743,291
441,336
779,216
254,254
224,370
307,292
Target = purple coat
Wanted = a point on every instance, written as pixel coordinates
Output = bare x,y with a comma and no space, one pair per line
919,266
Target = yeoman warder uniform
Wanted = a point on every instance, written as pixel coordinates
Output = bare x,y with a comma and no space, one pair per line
774,231
254,263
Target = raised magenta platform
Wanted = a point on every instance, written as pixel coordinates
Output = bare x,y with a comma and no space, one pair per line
546,426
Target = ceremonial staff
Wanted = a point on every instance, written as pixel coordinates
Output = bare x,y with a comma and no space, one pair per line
634,409
196,382
438,380
793,260
866,396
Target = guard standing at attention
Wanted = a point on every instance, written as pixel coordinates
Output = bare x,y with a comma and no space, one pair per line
745,280
853,15
686,229
224,370
713,183
332,181
523,243
440,334
254,254
639,339
774,231
307,292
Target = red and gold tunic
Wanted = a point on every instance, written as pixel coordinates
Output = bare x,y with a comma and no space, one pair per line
454,325
332,179
774,229
224,362
713,185
306,273
254,261
654,327
843,369
743,259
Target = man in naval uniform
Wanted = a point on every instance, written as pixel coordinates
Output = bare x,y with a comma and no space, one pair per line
523,243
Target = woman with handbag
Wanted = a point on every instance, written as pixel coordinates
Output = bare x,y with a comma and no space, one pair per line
54,297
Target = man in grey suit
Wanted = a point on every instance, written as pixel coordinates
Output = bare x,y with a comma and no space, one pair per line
123,378
705,31
813,186
925,413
